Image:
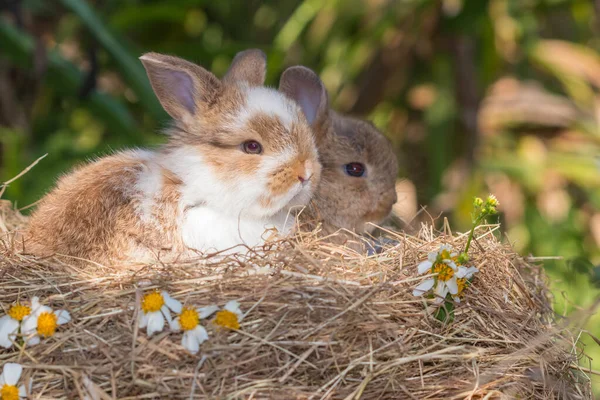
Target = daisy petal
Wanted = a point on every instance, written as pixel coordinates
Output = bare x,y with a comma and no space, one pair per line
234,307
200,334
167,313
452,285
173,304
424,267
35,304
37,308
445,247
8,326
156,322
63,316
190,343
33,340
456,298
29,324
205,312
432,256
143,319
451,264
440,292
22,391
12,373
175,325
423,287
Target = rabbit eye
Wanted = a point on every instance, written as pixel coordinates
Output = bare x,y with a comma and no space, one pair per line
252,147
355,169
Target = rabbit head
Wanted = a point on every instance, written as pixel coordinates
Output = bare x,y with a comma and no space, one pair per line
357,187
238,146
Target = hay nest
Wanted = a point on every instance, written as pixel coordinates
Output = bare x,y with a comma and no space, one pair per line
320,322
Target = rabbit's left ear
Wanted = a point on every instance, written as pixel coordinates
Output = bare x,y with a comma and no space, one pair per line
304,87
249,66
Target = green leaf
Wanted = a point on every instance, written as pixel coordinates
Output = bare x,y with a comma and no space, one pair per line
18,47
445,313
130,67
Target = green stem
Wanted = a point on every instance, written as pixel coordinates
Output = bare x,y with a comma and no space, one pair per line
472,233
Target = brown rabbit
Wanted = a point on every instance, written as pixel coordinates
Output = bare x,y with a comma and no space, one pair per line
357,188
239,159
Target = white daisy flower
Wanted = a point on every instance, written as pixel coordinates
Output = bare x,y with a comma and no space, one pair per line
10,323
230,316
154,309
188,320
42,322
442,263
8,382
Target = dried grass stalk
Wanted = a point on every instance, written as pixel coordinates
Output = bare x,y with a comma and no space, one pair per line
322,322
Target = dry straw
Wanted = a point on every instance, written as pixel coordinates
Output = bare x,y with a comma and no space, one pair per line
322,322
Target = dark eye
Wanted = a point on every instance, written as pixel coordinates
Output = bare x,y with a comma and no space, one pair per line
252,147
355,169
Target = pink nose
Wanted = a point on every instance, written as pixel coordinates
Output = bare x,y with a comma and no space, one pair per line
305,172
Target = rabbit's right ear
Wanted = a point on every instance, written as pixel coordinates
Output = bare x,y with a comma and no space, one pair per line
180,85
305,87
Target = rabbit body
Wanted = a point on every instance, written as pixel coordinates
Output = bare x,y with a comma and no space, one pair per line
240,159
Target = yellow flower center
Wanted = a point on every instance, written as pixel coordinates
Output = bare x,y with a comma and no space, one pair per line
461,283
47,323
227,319
444,271
189,319
19,312
9,392
152,302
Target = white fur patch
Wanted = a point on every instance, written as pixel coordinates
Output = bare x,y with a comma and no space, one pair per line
262,100
208,230
149,186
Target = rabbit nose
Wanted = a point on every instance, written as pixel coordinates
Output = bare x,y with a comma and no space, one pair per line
306,173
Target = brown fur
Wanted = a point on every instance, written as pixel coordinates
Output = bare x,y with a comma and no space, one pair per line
91,213
94,212
345,202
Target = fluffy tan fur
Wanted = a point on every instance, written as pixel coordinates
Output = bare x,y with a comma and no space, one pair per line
101,211
351,203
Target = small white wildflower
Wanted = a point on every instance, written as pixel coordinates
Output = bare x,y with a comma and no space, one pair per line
11,322
42,322
442,263
155,308
8,382
188,320
230,316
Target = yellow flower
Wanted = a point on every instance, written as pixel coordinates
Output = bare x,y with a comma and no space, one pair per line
230,316
155,307
11,322
8,382
42,322
442,265
19,311
188,321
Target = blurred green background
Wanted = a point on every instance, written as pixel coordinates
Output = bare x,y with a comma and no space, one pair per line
477,96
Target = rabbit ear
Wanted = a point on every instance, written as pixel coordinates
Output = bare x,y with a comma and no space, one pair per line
249,66
180,85
305,87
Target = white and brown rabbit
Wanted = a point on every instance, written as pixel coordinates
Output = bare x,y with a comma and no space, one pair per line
239,158
357,187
